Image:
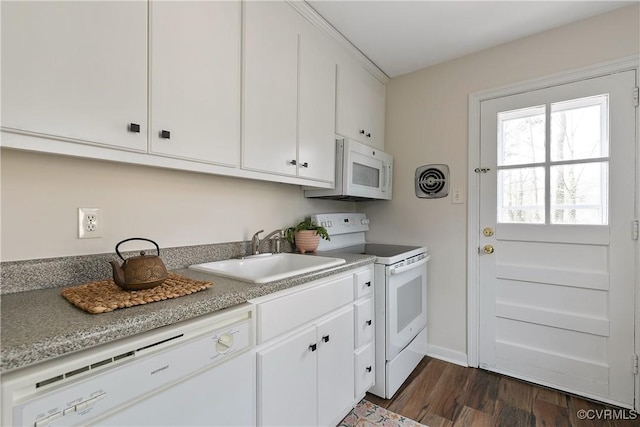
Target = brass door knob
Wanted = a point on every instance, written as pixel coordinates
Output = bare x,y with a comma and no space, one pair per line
487,249
488,232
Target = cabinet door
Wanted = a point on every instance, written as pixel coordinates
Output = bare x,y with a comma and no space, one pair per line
364,321
195,80
335,366
287,382
317,106
360,104
270,87
365,369
76,70
364,282
375,101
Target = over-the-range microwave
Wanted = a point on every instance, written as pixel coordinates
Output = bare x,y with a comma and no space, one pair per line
362,173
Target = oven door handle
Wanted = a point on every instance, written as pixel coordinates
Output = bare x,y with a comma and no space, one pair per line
399,270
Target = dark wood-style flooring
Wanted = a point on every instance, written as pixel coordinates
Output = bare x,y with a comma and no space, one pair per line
441,394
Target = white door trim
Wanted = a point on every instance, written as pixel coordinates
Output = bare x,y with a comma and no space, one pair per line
473,227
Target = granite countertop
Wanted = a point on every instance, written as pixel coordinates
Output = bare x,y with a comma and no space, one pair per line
40,325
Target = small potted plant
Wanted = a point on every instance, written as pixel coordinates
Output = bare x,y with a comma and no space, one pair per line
306,235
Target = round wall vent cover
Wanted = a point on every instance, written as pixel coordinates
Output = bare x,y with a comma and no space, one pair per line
432,181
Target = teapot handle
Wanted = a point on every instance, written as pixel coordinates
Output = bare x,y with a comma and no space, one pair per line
135,238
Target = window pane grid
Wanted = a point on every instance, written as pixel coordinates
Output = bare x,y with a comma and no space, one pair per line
552,163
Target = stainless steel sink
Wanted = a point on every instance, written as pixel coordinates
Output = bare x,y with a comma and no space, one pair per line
268,267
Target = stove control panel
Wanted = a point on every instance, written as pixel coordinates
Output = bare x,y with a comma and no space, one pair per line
342,223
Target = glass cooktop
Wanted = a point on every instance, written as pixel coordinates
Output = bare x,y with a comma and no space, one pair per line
386,253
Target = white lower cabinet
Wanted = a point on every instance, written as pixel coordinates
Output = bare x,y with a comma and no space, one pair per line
364,353
287,381
365,368
335,370
310,371
306,379
364,321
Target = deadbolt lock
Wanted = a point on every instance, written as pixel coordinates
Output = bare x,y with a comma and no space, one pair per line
487,249
488,232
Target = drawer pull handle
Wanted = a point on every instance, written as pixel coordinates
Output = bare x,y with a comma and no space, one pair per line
134,127
292,162
165,134
313,347
368,322
305,165
368,368
325,338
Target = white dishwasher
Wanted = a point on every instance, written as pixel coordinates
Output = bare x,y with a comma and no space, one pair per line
196,372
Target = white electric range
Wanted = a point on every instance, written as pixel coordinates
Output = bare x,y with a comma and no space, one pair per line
400,297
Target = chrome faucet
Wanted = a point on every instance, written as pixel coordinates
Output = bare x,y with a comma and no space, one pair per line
255,243
275,235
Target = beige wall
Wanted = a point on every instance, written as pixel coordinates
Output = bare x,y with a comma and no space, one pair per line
41,194
427,121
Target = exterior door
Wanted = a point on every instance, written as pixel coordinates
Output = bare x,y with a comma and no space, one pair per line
556,255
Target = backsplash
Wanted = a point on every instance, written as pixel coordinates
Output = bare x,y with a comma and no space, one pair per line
30,275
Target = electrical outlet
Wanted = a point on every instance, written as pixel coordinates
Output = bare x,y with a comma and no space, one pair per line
89,223
457,195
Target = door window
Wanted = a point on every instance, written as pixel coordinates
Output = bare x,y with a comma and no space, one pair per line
553,163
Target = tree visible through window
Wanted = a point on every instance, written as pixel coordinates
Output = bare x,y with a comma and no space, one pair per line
553,163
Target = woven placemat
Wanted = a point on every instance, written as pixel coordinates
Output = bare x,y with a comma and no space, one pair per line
104,296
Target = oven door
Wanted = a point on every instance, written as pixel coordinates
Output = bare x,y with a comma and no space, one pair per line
406,304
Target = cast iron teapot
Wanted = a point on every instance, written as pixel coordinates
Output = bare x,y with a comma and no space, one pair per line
139,272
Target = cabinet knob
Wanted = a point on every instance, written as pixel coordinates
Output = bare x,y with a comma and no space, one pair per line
368,322
292,162
134,127
361,131
368,135
325,338
313,347
368,284
305,165
368,368
165,134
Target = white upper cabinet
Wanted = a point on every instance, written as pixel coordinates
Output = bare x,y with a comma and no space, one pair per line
254,89
195,80
76,70
270,87
360,104
289,93
317,106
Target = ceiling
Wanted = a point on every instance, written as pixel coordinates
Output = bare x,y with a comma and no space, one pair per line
403,36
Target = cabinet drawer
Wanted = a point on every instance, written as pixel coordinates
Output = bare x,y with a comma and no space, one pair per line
364,321
364,283
290,311
365,369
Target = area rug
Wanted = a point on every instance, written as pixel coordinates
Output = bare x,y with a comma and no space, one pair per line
367,414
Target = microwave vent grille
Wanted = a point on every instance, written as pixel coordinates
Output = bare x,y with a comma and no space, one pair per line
432,181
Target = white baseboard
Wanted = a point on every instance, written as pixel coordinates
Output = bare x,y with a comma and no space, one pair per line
447,355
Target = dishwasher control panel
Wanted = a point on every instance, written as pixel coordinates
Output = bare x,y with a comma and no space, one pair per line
155,365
